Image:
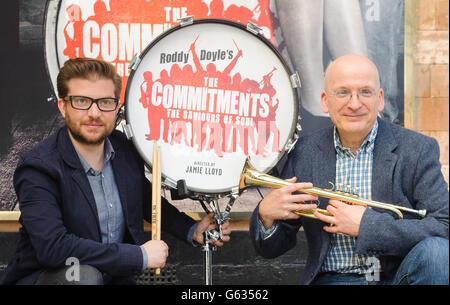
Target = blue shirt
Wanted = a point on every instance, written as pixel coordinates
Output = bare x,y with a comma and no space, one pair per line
353,172
107,200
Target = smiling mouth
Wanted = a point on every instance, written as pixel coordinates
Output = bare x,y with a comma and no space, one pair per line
93,125
354,116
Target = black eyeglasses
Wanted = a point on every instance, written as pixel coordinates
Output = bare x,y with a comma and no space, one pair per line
84,102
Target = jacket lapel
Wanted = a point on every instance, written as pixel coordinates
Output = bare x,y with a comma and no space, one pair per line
120,176
324,172
79,176
384,161
324,168
69,155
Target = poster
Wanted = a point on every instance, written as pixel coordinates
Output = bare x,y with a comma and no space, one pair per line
46,33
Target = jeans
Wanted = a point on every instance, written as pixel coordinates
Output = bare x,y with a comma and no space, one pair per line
426,264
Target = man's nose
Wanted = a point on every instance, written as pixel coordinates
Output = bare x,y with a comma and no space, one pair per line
94,111
354,102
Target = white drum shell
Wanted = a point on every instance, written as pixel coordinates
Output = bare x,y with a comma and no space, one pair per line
205,171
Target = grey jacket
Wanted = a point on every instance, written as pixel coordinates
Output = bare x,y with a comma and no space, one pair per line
406,171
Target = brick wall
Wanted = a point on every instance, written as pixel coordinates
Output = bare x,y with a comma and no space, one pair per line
428,110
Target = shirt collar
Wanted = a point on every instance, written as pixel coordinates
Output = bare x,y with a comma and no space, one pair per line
366,146
109,155
109,151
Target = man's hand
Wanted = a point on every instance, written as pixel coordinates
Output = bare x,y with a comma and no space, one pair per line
281,203
346,218
208,223
157,252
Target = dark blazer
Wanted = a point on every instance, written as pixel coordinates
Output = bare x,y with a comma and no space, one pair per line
59,216
406,171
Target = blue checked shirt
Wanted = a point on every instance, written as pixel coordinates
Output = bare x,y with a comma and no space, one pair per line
354,174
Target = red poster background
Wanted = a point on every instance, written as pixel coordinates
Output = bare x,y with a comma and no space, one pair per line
110,32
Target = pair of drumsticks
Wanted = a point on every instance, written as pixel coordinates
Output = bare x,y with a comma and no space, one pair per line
156,196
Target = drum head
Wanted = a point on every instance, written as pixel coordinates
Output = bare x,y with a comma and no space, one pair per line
211,94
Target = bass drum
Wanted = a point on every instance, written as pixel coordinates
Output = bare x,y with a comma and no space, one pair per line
211,93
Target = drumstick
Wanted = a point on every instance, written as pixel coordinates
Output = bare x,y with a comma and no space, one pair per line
154,192
158,202
155,195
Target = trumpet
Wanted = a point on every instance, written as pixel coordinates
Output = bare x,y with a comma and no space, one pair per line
252,177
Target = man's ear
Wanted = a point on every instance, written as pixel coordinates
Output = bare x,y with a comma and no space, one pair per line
381,100
62,107
323,102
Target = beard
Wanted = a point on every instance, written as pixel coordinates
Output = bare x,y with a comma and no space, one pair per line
85,137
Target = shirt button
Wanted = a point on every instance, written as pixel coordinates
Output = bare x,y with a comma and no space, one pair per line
110,205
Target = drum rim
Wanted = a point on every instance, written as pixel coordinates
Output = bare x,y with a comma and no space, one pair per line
51,47
293,128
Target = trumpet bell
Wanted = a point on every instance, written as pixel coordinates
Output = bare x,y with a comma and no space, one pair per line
252,177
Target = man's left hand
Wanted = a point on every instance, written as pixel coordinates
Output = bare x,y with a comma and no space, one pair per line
208,223
345,218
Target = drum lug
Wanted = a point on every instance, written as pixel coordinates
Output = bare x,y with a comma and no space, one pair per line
291,143
295,80
254,28
128,131
52,99
134,63
235,192
169,182
186,20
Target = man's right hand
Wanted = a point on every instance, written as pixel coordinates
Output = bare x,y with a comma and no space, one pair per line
281,203
157,252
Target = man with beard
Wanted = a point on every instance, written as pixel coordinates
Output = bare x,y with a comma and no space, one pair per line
83,194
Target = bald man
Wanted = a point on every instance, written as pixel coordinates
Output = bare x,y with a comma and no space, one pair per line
377,160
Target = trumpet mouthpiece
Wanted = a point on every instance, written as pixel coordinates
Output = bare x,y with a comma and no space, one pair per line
422,213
